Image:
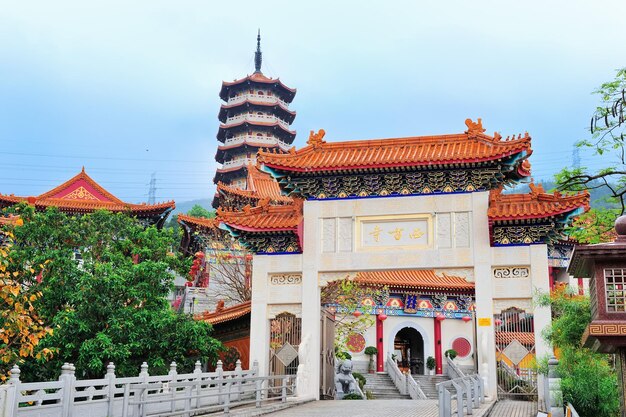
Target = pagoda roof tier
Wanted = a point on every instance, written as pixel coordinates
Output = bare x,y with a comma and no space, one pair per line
248,143
423,279
226,175
537,204
258,79
277,128
199,222
259,185
277,109
456,150
221,315
265,217
81,194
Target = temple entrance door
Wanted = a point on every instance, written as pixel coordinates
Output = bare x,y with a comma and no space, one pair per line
327,355
515,354
408,348
285,334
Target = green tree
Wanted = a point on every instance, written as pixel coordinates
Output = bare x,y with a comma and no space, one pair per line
588,380
608,135
104,290
199,211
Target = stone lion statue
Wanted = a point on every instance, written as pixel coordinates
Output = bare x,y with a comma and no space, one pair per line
344,381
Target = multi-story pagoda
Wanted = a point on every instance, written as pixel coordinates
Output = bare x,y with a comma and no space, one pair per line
255,115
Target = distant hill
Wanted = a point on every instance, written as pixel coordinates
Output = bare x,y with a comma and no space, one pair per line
185,206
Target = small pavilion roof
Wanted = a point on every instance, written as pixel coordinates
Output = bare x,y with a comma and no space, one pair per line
200,222
425,279
534,205
265,217
258,78
472,146
81,194
525,338
258,185
226,314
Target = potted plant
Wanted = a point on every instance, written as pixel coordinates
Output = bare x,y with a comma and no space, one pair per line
430,364
371,351
451,353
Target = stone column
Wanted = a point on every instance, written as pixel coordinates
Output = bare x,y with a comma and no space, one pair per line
539,274
555,402
259,322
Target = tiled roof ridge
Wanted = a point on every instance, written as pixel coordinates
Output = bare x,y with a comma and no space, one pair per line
424,278
264,216
257,103
227,313
264,206
199,221
547,204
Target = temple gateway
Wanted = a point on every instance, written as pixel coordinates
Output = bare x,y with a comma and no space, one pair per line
426,217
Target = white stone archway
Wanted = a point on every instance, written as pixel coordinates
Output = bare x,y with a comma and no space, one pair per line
428,343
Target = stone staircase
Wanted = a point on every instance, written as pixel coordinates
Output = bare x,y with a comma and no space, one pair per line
428,383
383,388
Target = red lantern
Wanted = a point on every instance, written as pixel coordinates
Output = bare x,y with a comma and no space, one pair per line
382,317
357,313
498,322
466,319
440,317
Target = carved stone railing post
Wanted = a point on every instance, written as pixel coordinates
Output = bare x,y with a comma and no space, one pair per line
238,375
13,390
219,369
110,376
555,402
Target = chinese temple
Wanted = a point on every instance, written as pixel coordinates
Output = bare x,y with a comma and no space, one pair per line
81,194
255,115
428,218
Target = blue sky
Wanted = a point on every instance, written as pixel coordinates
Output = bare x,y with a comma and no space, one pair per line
131,88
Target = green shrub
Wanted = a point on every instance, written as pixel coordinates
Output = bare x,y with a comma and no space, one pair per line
343,355
430,363
371,350
451,353
369,395
352,396
360,379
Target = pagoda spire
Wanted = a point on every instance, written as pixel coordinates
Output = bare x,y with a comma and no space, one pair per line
258,58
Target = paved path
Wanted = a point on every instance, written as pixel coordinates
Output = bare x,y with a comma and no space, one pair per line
509,408
371,408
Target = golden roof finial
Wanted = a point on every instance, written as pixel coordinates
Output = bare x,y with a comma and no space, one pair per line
316,139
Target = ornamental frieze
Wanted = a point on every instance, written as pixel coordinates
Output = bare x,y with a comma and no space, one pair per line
511,272
285,279
524,235
285,243
396,183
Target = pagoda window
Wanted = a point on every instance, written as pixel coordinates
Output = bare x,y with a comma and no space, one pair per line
269,93
260,93
259,113
259,134
251,91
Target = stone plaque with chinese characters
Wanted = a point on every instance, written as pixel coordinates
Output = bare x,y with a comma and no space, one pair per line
394,232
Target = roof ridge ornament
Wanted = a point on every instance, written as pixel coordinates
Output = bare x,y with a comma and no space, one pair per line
316,139
474,128
258,56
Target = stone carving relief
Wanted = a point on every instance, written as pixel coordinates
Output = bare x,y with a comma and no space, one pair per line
511,272
285,279
329,235
345,234
444,231
462,230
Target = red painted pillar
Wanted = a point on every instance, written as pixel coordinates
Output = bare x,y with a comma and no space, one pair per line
380,363
438,355
551,277
581,289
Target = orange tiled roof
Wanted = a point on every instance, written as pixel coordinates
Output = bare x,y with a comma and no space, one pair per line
468,147
264,217
258,185
198,221
525,338
414,278
82,194
227,314
11,220
535,204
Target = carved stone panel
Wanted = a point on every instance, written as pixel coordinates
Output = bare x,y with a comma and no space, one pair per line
462,230
444,230
511,272
394,232
344,243
285,279
329,235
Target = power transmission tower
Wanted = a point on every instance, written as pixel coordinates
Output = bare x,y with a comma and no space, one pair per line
152,189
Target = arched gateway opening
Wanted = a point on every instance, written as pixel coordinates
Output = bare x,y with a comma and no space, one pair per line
408,348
